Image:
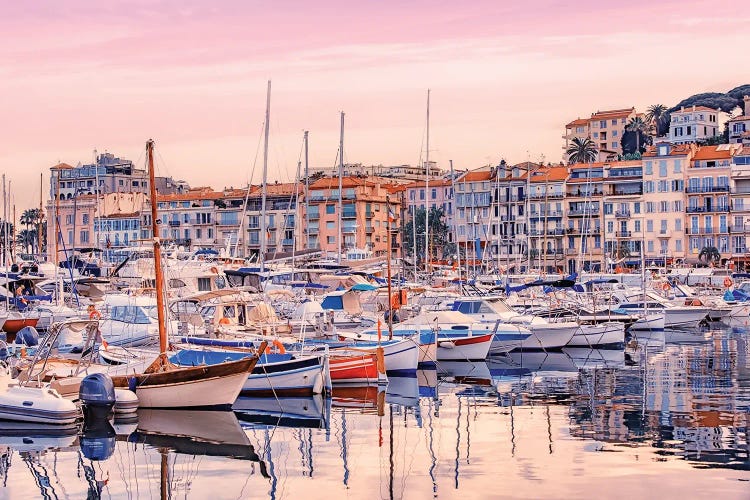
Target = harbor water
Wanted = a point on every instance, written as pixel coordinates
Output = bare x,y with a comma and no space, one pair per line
665,417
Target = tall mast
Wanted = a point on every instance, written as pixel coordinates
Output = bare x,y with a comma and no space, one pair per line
388,243
39,219
160,306
264,190
341,194
5,240
307,194
454,217
427,191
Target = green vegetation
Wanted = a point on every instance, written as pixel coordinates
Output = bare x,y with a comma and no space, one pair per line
582,151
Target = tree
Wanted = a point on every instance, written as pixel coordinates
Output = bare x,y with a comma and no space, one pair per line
439,230
582,151
640,128
30,217
709,255
621,251
657,115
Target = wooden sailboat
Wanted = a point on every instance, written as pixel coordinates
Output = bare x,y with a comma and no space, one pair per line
164,385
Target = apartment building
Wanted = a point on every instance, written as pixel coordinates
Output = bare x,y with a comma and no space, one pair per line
623,209
584,191
740,203
693,124
363,216
664,173
187,219
510,186
739,126
604,128
473,201
546,217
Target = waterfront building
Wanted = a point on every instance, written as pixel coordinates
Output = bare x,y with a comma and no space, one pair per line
708,208
363,216
623,212
583,245
187,219
693,124
473,191
117,231
438,194
604,128
739,126
664,172
546,217
510,186
740,204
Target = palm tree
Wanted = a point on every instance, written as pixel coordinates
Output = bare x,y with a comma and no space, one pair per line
709,255
582,151
658,116
30,217
638,126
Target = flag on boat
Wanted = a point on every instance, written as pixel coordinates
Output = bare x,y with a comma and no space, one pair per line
391,214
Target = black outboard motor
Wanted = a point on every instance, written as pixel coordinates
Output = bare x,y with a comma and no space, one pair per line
27,336
97,395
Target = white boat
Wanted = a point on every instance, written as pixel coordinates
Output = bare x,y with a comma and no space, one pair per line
130,321
474,348
598,335
633,300
42,405
401,356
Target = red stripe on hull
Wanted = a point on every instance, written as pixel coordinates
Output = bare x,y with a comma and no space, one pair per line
354,368
15,325
473,340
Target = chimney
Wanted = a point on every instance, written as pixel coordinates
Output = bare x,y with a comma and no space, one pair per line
693,107
747,105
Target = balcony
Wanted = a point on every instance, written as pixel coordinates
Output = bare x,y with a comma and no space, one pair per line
620,192
174,223
590,230
287,242
349,214
542,196
581,212
571,251
314,215
181,242
622,214
313,230
740,229
706,230
369,229
624,234
702,210
707,189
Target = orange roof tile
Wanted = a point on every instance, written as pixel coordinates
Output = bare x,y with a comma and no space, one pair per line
550,174
333,182
579,121
480,174
675,150
612,113
199,193
62,166
740,118
714,153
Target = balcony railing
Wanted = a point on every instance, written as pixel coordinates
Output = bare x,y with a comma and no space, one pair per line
349,214
622,214
287,242
174,223
579,212
619,192
700,210
624,234
707,230
542,196
707,189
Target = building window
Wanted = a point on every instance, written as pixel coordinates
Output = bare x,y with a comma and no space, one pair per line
330,209
331,240
662,168
648,168
649,226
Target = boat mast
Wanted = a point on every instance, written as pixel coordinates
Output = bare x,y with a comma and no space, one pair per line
5,242
160,306
264,190
427,191
307,194
388,243
455,223
341,194
39,219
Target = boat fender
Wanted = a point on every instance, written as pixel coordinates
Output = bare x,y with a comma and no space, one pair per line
666,287
223,321
727,282
132,384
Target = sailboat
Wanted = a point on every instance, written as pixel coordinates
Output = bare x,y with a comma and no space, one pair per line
164,385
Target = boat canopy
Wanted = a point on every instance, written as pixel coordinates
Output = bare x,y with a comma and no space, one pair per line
342,300
307,310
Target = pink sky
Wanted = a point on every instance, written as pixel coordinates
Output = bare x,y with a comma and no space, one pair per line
77,76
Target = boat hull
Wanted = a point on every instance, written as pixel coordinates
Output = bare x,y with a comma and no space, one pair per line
548,337
474,348
688,317
296,377
209,386
601,334
354,369
37,405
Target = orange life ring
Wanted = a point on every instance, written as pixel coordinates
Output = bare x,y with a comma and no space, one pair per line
214,270
279,347
95,314
727,282
666,287
224,321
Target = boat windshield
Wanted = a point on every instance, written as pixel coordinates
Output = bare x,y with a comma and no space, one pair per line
133,314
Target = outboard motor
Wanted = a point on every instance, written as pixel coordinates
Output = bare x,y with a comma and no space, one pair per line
97,395
27,336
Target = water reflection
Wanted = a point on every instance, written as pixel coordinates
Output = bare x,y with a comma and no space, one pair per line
541,421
